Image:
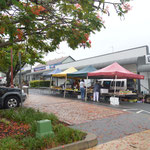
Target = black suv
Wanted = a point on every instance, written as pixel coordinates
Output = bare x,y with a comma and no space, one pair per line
11,97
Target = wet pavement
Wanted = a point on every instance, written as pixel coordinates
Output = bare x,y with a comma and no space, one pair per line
116,127
106,121
137,141
70,111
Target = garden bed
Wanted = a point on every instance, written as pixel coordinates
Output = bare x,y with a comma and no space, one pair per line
18,128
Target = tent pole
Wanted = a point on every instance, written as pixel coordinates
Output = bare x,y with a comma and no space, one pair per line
115,86
65,87
86,89
50,84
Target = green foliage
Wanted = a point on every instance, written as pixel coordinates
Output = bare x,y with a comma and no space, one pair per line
32,143
10,143
37,27
62,135
39,83
5,121
27,115
67,135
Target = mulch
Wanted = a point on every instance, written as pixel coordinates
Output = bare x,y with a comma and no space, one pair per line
13,128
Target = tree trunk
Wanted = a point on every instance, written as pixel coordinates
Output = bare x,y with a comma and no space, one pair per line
8,79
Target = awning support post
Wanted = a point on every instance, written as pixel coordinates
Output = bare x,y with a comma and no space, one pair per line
115,85
65,87
86,89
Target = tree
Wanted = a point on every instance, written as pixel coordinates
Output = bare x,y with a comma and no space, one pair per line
28,56
41,25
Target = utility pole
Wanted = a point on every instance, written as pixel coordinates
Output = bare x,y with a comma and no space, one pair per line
12,85
20,79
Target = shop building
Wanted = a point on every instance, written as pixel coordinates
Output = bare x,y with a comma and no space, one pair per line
136,60
36,72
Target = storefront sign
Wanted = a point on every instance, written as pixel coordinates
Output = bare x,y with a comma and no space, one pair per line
53,66
40,68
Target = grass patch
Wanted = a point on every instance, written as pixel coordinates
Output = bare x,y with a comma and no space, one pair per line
25,119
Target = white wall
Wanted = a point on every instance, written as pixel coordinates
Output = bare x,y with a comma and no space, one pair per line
131,67
145,81
130,55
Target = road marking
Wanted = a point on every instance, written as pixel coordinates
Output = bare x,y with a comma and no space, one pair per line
129,109
138,110
143,111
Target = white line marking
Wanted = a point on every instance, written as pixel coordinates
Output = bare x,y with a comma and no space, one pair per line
129,109
139,111
147,111
142,111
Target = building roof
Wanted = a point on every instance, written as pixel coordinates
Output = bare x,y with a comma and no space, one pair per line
125,57
54,61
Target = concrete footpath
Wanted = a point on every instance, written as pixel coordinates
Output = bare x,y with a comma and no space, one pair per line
137,141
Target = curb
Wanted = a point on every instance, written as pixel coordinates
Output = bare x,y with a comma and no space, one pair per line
89,142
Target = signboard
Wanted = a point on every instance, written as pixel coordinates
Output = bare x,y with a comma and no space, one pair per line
40,68
53,65
147,58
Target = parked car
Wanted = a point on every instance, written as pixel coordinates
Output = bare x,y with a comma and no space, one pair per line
11,97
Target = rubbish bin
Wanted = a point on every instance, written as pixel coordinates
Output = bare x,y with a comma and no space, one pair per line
26,89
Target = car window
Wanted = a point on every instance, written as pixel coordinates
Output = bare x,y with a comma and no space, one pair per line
118,83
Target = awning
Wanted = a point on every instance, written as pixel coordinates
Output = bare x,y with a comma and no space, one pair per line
64,73
49,73
82,73
115,71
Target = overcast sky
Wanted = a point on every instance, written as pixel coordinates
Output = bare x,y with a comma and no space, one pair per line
133,31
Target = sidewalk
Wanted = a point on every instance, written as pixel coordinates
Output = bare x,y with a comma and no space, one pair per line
137,141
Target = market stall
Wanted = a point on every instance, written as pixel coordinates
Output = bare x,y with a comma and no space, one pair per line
115,71
83,74
63,75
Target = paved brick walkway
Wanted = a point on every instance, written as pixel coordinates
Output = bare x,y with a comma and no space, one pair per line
70,111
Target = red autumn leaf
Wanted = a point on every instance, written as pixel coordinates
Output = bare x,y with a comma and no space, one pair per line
2,30
19,34
37,9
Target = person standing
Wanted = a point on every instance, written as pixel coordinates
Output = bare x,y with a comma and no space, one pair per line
96,91
82,89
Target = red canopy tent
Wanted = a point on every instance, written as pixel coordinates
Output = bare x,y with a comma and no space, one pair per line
115,71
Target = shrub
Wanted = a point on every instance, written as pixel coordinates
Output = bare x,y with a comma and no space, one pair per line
10,144
39,83
62,134
66,135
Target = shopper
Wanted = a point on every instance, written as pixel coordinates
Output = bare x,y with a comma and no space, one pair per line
82,89
96,91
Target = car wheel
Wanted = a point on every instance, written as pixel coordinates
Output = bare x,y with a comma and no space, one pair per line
11,102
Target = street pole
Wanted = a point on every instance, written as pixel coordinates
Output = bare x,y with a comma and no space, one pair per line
20,80
12,85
